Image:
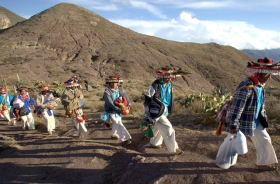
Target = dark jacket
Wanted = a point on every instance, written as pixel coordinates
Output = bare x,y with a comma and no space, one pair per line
149,101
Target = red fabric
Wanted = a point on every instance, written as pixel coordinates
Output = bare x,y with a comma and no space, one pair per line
122,102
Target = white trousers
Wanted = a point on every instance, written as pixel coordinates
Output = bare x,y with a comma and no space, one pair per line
118,129
7,116
163,132
49,120
80,126
264,149
28,121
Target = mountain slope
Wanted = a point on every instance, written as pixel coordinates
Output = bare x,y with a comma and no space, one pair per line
271,53
8,18
67,39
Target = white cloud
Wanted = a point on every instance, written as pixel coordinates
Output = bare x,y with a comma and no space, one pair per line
238,34
148,7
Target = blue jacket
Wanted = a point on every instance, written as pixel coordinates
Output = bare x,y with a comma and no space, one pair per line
6,101
27,102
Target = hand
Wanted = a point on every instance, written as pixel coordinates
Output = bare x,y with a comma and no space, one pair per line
50,107
233,131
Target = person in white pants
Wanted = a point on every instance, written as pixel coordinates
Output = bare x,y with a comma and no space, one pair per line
247,113
45,106
158,104
5,107
112,93
22,104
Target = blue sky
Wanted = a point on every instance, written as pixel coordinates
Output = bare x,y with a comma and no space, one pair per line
243,24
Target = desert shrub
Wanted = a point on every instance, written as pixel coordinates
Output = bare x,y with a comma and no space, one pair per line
40,125
205,106
13,60
57,92
220,91
9,142
272,107
100,107
137,110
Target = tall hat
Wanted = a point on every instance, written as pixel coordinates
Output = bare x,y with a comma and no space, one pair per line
3,90
71,82
22,88
44,87
170,71
114,78
263,65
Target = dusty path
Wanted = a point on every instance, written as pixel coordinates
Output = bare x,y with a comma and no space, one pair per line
96,158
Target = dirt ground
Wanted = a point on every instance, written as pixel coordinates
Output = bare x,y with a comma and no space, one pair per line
96,158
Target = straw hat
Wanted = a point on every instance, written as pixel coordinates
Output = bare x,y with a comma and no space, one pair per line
22,88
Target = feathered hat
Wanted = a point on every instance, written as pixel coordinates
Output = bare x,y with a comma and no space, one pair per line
170,71
113,78
263,65
22,88
71,82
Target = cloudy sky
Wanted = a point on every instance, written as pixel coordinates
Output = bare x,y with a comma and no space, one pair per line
243,24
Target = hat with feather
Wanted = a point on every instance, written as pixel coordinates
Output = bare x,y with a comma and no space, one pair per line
22,88
113,78
170,71
71,82
263,65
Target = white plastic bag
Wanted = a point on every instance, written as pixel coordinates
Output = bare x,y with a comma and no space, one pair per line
240,143
227,155
17,103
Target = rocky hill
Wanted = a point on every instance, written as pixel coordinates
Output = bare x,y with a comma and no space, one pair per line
67,39
8,18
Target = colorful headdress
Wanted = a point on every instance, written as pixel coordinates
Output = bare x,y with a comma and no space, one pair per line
44,87
264,65
114,78
3,90
22,88
170,71
71,82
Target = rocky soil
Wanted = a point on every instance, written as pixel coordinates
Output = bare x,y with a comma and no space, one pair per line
96,158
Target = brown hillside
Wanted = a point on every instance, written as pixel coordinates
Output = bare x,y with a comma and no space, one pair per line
8,18
67,39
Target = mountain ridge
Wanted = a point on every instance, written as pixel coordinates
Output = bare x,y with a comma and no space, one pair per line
67,40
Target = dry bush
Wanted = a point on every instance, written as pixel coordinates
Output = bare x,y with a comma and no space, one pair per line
40,125
63,127
178,109
9,142
137,110
272,107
